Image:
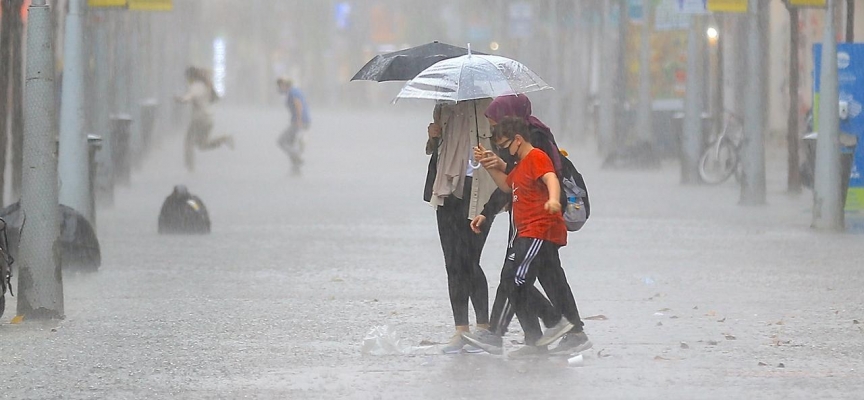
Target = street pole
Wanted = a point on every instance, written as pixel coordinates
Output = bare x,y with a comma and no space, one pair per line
17,84
621,73
753,147
691,135
827,204
73,166
793,181
606,119
644,123
5,64
104,184
850,21
40,282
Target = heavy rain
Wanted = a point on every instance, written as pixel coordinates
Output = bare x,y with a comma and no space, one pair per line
259,199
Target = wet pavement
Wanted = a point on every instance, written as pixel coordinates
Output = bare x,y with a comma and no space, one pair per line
699,297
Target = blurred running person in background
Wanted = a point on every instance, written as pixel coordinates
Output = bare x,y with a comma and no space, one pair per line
291,141
201,94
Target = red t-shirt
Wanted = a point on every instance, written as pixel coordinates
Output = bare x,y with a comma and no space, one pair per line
530,195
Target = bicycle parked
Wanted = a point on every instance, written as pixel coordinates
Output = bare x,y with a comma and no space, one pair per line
720,160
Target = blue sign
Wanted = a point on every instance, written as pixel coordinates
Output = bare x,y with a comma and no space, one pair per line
850,76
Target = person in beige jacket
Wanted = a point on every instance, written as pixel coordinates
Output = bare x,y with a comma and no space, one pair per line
457,189
200,94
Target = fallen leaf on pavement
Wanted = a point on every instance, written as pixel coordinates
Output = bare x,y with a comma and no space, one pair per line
855,322
729,337
722,320
695,307
780,322
427,342
337,279
713,342
781,365
664,309
601,355
684,345
711,314
659,323
660,358
599,317
673,317
762,364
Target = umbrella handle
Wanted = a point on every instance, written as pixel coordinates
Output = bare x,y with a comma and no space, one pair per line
474,166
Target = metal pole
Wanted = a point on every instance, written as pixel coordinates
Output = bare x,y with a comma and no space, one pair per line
72,162
827,204
753,146
850,21
104,185
606,119
793,181
5,72
136,83
17,99
40,282
644,123
622,110
691,135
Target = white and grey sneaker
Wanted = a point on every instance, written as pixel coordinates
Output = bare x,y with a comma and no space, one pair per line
563,326
486,340
455,345
572,343
528,351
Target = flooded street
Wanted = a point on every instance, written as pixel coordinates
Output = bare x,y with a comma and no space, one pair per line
686,294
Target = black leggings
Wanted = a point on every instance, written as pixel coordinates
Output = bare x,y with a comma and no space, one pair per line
462,249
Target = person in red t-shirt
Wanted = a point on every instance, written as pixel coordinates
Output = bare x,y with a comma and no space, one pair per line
540,233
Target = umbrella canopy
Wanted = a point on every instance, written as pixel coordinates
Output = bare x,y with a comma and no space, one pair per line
472,76
405,64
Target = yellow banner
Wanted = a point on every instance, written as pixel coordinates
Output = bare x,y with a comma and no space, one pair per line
807,3
106,3
735,6
151,5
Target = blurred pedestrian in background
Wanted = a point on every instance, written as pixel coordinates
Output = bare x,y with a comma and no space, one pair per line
292,141
200,94
458,194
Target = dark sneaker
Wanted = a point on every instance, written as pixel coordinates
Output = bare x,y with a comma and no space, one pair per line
528,352
455,345
486,340
573,342
563,326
